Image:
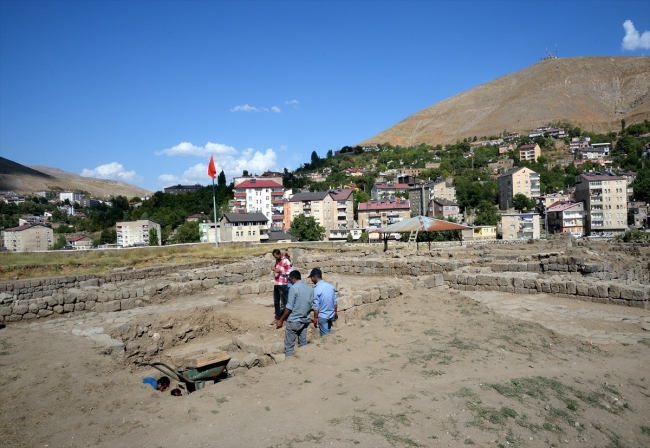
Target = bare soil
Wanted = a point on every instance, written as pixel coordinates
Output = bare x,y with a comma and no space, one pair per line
428,368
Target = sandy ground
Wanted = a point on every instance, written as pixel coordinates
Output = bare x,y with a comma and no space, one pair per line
428,368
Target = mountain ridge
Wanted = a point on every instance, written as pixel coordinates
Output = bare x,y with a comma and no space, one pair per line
592,92
28,179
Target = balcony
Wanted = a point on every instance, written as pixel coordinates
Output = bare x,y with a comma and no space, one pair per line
596,223
596,200
374,222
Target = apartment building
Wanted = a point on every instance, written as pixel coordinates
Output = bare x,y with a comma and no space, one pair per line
520,180
260,195
81,242
375,215
566,217
333,209
420,196
31,219
71,196
206,230
442,208
182,189
243,228
136,233
530,152
385,190
28,238
518,226
605,198
545,201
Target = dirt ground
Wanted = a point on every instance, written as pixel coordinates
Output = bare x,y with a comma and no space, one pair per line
428,368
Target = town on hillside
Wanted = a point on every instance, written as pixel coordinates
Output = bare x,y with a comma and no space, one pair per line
516,186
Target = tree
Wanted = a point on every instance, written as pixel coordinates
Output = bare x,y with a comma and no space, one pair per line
187,232
330,154
315,160
221,180
153,236
245,173
521,202
487,215
60,243
306,229
365,237
349,238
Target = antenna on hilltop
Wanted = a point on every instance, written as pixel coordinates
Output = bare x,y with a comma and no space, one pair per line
548,55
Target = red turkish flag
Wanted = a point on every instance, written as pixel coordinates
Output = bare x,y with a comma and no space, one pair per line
212,171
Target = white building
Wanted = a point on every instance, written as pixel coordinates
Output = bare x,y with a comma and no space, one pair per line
516,226
136,233
71,196
261,196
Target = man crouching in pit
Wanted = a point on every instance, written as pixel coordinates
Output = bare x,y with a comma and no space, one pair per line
296,313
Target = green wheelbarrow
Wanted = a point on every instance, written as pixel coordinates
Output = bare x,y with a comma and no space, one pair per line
200,370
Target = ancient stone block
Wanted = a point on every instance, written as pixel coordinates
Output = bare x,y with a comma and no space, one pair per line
602,291
5,310
68,308
58,309
582,289
80,306
571,288
592,291
29,316
44,313
20,309
614,291
113,305
374,295
346,302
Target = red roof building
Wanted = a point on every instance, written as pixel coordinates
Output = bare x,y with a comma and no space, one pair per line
261,196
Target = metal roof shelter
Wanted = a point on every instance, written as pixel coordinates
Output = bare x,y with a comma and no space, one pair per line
418,224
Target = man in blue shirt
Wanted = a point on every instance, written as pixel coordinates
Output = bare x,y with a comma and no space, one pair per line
325,302
296,313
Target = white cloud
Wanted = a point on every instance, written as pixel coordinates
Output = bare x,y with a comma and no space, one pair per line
188,149
113,171
283,147
633,39
233,165
247,108
293,103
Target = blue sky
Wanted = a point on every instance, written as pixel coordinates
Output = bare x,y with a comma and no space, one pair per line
145,91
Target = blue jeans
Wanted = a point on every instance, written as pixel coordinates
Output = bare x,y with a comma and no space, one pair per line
294,330
324,325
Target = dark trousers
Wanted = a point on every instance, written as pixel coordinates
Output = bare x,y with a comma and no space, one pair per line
280,296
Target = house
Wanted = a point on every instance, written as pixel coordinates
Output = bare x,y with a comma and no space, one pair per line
377,214
530,152
281,237
244,228
593,153
637,214
136,233
545,201
518,226
206,230
501,164
577,143
442,208
409,180
71,196
28,238
31,219
182,189
556,132
81,242
511,137
566,217
479,233
519,180
384,190
198,217
261,195
605,198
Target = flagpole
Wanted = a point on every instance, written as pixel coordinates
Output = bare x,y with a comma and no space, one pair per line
214,205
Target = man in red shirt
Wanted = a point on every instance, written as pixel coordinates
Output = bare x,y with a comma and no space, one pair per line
281,271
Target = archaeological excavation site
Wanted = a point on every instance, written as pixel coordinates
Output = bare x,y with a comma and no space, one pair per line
539,344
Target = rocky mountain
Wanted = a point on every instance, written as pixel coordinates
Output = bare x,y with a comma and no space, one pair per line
27,180
594,92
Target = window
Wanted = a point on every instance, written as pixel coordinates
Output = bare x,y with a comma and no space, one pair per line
249,233
512,227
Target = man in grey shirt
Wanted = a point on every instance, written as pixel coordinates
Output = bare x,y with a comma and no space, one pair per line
296,313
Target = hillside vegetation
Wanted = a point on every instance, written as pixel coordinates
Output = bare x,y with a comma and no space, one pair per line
593,92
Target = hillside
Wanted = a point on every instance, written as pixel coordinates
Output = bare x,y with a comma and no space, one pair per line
593,92
27,180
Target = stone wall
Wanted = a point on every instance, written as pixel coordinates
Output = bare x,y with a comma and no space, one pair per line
115,291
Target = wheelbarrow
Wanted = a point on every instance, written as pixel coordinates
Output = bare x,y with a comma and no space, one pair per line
197,371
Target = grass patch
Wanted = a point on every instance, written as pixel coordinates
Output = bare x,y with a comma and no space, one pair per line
462,345
370,315
645,430
432,373
385,425
53,263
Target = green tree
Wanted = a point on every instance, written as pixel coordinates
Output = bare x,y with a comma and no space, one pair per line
153,236
487,215
188,232
364,238
349,238
306,229
61,242
522,202
221,180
